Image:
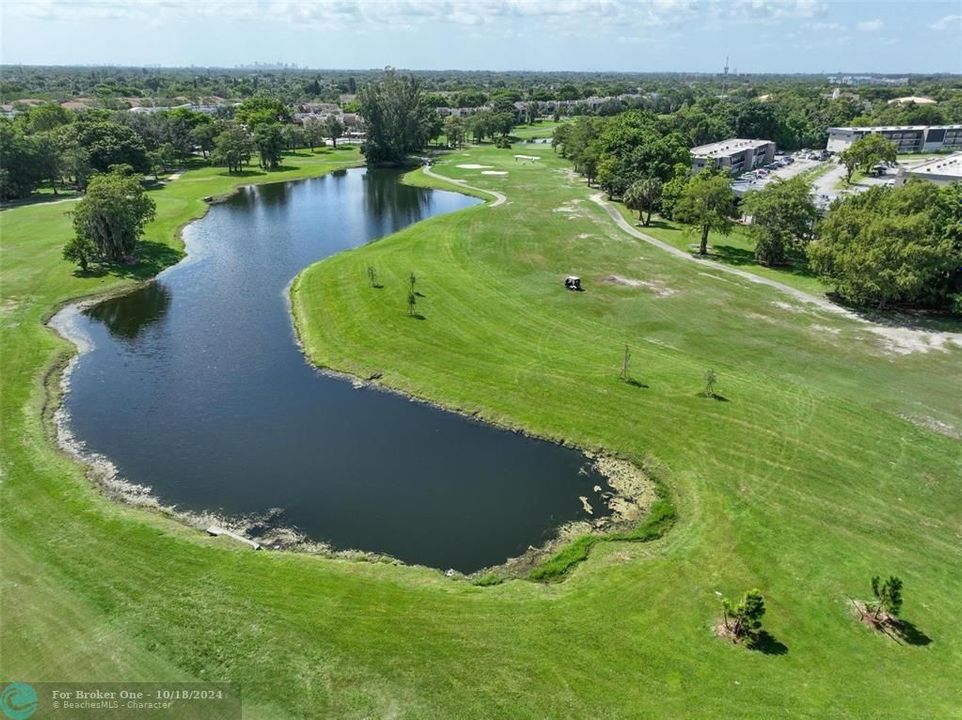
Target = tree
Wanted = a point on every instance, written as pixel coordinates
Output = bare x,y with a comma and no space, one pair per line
480,125
48,116
314,133
756,120
642,195
435,126
233,148
293,137
19,156
672,191
640,146
204,135
454,131
270,144
707,204
76,164
109,220
783,219
262,110
106,144
711,377
626,365
866,152
610,176
49,158
333,128
888,597
82,250
744,619
397,118
893,245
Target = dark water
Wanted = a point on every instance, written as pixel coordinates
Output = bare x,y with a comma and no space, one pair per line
195,387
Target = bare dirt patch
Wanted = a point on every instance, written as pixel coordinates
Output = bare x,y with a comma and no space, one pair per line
571,208
656,287
936,426
906,340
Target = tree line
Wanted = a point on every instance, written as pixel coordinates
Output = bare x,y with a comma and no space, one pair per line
887,246
54,146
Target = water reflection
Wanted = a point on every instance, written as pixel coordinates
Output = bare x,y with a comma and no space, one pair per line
127,316
196,388
385,209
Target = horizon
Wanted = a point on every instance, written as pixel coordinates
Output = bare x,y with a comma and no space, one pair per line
280,67
764,37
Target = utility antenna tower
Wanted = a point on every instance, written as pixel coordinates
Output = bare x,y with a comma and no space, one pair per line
725,76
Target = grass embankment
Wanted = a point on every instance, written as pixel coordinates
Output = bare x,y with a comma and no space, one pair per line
804,484
805,481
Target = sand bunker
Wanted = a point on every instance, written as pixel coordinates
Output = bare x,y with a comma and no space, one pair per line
494,172
474,166
526,157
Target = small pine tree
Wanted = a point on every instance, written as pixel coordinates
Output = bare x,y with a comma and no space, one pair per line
626,365
710,379
888,596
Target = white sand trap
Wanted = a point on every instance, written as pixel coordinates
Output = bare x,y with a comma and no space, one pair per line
527,157
474,166
494,172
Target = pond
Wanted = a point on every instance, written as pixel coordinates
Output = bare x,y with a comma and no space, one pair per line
194,386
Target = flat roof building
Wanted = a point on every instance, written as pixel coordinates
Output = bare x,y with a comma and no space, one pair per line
942,171
907,138
736,155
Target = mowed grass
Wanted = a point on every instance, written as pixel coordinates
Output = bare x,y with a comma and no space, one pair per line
540,129
804,484
736,249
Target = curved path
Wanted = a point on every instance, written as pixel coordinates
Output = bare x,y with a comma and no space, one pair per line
899,336
751,277
499,198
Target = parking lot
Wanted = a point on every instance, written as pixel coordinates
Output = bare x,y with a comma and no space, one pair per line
784,167
828,176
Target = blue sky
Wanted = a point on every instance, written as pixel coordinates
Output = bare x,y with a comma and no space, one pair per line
631,35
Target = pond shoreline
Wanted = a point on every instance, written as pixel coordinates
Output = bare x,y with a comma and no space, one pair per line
104,475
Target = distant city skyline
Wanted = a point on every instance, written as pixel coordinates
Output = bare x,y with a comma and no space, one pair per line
758,36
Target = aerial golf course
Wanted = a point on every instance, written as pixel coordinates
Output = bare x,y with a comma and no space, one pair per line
831,454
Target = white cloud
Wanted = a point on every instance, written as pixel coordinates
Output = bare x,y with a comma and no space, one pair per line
949,22
869,26
779,8
580,15
827,27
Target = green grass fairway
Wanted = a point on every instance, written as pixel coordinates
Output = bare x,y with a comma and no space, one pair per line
541,129
735,249
804,484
